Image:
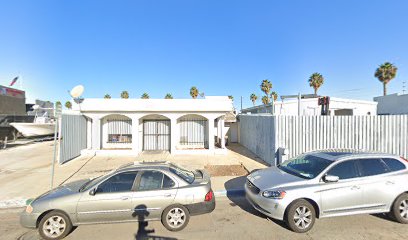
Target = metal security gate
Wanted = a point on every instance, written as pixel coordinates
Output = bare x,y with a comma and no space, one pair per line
72,137
193,133
117,132
156,135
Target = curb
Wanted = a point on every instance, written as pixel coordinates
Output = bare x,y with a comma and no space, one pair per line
230,193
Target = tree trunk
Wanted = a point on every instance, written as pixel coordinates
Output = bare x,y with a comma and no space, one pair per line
385,88
315,91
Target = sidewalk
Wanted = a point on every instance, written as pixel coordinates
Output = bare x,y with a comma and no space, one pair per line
25,171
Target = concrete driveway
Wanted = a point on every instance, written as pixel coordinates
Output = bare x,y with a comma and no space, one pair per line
25,171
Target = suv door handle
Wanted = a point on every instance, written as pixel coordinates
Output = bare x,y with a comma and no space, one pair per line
355,187
124,198
167,195
389,183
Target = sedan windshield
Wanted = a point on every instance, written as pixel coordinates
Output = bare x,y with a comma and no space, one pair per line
305,166
185,174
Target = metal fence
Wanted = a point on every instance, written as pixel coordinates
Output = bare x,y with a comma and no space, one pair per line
72,136
156,135
300,134
193,133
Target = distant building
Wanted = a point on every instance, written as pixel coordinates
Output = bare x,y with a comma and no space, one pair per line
310,107
392,104
12,101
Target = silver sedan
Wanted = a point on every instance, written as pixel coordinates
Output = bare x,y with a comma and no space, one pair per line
135,192
327,184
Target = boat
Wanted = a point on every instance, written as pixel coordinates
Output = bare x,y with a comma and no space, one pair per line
41,126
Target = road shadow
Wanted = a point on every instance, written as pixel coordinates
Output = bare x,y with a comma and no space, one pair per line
385,217
241,150
141,213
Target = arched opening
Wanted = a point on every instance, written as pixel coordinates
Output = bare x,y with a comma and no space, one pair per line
155,133
193,132
116,132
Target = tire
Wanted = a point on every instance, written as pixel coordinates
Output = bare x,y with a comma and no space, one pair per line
175,217
399,210
300,216
54,225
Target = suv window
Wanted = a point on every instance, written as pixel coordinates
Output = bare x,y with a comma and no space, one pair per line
121,182
344,170
152,180
394,164
371,167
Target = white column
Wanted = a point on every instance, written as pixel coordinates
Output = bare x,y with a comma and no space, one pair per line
222,127
135,134
96,133
211,134
174,135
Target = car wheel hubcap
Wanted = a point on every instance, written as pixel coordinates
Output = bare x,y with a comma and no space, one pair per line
176,217
404,209
302,217
54,226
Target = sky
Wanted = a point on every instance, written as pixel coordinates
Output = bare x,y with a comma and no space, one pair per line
221,47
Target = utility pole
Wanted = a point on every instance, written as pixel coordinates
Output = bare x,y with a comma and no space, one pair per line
403,87
241,103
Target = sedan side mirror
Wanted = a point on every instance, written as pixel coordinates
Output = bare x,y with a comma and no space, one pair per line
92,192
330,178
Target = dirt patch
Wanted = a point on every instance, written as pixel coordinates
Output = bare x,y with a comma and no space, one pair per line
226,170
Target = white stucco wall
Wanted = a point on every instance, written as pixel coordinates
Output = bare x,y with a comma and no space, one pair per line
392,104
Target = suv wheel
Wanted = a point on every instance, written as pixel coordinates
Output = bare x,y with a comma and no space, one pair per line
175,217
54,225
400,209
300,216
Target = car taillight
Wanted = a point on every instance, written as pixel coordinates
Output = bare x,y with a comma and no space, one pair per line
209,196
404,159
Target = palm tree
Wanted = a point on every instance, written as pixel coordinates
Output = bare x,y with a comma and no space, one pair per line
193,92
253,98
266,86
385,73
274,95
231,97
107,96
124,94
58,103
68,105
145,96
316,80
168,96
265,100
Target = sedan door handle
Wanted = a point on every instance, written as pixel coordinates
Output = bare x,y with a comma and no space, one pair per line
167,195
124,198
355,187
389,183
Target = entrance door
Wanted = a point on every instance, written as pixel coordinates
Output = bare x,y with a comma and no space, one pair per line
156,135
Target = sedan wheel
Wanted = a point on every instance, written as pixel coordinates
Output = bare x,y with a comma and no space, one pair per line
300,216
400,209
175,218
54,225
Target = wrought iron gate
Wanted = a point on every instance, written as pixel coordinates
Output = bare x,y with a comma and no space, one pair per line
156,135
72,137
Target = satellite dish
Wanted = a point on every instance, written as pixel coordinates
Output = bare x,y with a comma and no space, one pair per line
77,91
35,107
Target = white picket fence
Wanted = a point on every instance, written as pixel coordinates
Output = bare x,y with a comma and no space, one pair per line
300,134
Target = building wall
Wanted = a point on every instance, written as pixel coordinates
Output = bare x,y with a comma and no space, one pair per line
12,105
392,104
310,107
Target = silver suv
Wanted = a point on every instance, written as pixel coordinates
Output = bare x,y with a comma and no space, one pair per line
134,192
327,184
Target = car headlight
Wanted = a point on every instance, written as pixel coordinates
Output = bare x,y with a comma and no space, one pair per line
274,194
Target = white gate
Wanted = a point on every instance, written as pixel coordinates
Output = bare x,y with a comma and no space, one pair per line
156,135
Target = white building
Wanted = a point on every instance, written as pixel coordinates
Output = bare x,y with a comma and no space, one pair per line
310,107
392,104
174,125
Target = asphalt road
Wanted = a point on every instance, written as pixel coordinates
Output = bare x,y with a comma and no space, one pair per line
233,218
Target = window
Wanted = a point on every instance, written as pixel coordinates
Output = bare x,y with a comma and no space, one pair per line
186,175
344,170
370,167
121,182
305,166
394,164
119,130
167,182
